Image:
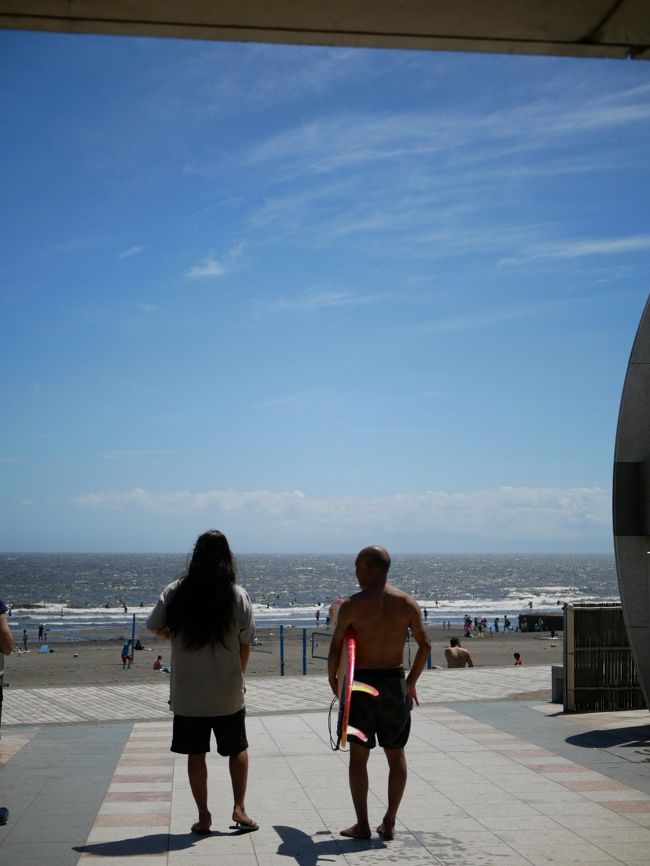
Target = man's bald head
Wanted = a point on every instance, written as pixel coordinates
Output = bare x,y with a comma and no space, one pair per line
376,558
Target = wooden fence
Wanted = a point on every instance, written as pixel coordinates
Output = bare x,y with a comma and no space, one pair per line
599,670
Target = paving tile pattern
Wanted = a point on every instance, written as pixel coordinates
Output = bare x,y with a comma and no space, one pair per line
499,782
264,696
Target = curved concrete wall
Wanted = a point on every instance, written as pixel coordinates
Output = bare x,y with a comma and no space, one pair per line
632,501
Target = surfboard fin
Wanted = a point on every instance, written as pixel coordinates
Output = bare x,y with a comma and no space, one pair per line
363,687
353,732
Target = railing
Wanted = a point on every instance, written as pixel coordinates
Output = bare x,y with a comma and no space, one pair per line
303,651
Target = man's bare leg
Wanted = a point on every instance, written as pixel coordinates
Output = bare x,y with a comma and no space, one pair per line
397,773
238,765
358,775
197,772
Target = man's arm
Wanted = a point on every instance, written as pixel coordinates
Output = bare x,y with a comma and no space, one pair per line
468,659
6,637
424,648
336,645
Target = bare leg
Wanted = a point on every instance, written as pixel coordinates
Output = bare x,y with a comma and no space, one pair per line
197,772
397,774
358,775
238,765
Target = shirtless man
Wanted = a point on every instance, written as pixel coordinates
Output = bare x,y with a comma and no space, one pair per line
456,656
381,615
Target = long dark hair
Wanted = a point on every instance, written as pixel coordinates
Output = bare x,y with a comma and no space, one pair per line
202,609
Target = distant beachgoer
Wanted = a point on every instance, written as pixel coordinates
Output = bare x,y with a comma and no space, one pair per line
25,638
209,620
157,665
457,656
317,615
426,614
127,656
518,660
327,620
6,644
126,610
40,633
496,624
6,648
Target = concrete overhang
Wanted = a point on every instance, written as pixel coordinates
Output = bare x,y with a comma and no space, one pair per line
578,28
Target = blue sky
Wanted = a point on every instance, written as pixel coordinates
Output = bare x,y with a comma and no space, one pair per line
317,298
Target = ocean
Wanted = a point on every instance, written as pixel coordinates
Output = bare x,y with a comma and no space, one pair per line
95,596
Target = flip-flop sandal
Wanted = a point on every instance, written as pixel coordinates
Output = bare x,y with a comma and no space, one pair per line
245,826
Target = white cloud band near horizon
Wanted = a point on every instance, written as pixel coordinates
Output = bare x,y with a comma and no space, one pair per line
506,513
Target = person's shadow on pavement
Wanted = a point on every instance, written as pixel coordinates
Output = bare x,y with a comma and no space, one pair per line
155,843
300,845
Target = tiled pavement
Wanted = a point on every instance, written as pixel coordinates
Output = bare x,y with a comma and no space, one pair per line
264,695
491,782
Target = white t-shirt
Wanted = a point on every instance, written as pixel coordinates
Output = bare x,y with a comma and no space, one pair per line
208,681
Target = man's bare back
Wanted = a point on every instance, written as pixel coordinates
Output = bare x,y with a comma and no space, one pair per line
456,656
381,618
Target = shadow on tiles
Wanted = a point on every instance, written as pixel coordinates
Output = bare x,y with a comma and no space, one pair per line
156,843
296,843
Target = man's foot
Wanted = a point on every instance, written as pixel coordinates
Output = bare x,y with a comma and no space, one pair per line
356,832
386,830
243,822
203,825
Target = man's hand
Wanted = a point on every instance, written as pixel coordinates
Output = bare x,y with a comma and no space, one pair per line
412,694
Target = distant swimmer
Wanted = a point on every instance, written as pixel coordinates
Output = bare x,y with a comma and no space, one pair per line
457,656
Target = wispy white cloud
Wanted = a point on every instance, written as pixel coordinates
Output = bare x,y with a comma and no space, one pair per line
147,308
503,513
597,247
477,319
7,458
314,301
209,82
132,251
208,269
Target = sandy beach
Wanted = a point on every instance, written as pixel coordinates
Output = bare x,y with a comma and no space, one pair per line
98,662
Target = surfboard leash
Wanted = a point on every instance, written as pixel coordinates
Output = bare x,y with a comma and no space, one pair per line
334,742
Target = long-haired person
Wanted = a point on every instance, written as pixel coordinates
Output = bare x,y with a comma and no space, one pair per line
209,620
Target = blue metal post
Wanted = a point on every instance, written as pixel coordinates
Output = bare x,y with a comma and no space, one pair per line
429,662
133,638
281,650
304,651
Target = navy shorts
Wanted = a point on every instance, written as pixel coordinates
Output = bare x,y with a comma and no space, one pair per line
192,734
385,718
